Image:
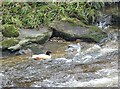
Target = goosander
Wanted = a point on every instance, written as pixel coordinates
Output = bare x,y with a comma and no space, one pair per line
74,49
42,56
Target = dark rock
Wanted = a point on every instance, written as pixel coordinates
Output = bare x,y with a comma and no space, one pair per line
74,29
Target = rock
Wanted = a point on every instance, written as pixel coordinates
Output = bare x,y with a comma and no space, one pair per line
72,29
38,36
24,51
29,36
36,48
19,45
30,49
104,21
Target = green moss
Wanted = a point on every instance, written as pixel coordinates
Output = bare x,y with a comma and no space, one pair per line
95,36
94,28
9,42
73,21
95,33
10,31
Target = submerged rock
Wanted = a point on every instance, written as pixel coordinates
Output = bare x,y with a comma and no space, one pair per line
72,29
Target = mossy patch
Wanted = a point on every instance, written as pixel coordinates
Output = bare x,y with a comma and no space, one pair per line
96,33
73,22
9,42
10,31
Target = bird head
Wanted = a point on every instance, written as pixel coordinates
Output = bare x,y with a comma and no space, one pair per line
78,41
48,52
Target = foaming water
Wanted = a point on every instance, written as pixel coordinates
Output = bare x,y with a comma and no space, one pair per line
95,67
108,80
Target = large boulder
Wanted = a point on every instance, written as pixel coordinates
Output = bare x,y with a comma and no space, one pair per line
72,29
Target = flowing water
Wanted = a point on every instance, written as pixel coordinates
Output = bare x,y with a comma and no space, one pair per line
91,70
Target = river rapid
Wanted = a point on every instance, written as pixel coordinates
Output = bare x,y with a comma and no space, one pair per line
96,67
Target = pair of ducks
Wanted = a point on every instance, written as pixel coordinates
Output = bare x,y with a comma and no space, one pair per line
71,47
48,53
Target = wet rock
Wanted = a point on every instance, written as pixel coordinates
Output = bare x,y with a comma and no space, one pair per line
72,29
19,45
104,21
36,48
24,51
30,50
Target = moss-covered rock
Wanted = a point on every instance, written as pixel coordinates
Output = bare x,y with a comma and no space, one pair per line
72,29
10,30
21,44
8,43
38,36
73,21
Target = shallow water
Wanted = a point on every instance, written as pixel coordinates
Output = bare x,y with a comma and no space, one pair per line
61,72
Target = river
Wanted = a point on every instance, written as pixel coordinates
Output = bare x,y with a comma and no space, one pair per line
98,71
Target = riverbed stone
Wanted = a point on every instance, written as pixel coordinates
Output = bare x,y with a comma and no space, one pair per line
72,29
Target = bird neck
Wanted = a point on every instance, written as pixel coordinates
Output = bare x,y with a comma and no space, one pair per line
79,48
78,44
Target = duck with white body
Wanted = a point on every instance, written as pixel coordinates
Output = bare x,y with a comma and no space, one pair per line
74,50
42,56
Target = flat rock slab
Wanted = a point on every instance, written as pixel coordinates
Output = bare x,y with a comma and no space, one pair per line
33,32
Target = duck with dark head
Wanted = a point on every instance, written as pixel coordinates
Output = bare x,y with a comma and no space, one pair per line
42,56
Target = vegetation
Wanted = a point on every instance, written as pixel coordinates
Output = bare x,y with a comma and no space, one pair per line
9,42
33,14
10,30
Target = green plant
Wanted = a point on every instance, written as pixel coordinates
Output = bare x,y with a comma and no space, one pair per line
9,42
33,14
10,30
